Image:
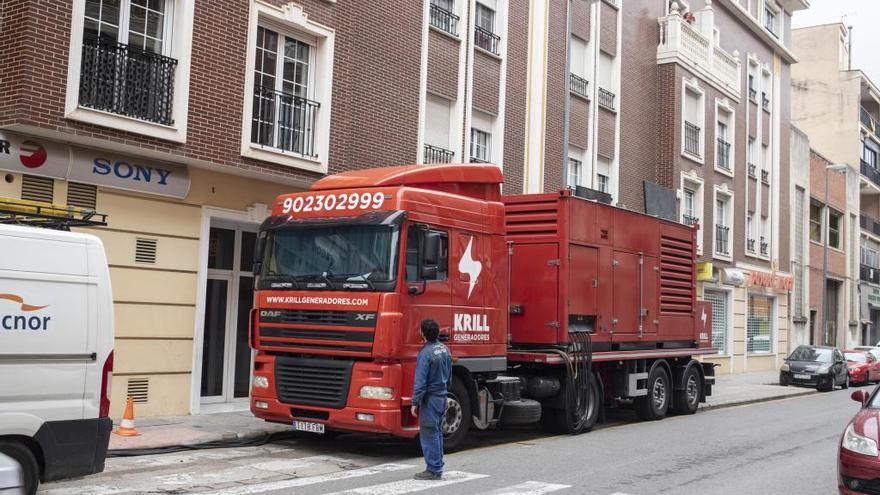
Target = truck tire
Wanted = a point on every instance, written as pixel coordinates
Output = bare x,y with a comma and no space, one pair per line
30,470
655,404
457,420
520,412
556,420
687,400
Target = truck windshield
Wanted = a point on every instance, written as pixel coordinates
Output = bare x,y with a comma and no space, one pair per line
340,257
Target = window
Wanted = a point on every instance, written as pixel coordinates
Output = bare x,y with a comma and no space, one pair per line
693,122
750,151
759,330
750,233
575,172
815,222
602,182
415,245
718,299
441,16
480,145
753,93
765,164
770,19
834,219
437,130
722,224
722,156
869,257
869,155
283,116
603,174
145,29
484,29
692,207
797,257
688,210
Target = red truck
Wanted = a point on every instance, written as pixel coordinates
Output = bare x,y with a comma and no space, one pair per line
553,306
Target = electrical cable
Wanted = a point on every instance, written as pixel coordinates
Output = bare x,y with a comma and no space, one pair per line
216,444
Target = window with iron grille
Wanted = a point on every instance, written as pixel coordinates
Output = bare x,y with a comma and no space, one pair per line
484,29
34,188
480,143
441,16
722,158
575,172
283,114
759,327
722,222
718,300
124,67
750,233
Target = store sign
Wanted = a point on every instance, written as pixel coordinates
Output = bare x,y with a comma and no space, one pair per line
733,277
771,280
33,156
704,271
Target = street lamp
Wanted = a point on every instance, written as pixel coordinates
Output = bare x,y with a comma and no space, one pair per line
838,167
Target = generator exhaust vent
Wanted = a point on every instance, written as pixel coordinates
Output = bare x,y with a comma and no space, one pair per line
82,195
139,390
145,250
35,188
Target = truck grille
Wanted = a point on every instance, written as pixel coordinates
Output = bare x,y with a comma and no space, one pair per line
318,317
314,382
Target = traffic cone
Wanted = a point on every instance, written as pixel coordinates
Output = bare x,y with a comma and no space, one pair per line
126,428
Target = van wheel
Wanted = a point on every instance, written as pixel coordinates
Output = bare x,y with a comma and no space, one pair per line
687,401
655,404
457,420
30,470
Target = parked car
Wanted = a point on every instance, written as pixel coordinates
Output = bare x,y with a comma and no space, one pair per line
815,366
874,351
11,482
858,459
863,366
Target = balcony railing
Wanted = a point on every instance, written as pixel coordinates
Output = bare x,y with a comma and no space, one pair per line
689,220
606,99
765,176
753,170
487,40
869,274
444,20
870,225
750,245
436,154
723,158
869,122
579,85
722,246
753,94
692,139
765,101
284,121
764,246
678,38
126,80
870,172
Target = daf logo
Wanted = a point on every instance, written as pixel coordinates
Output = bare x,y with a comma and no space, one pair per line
270,314
364,316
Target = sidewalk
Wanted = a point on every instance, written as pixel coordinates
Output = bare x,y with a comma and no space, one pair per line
729,390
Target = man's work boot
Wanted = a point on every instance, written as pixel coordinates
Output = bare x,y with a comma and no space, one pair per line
428,475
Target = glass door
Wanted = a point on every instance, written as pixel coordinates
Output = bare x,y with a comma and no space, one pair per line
229,294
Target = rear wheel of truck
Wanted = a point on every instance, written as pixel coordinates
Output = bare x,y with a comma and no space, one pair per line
655,404
30,470
687,400
561,420
457,420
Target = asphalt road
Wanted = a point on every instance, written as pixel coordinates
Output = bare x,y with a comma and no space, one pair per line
781,447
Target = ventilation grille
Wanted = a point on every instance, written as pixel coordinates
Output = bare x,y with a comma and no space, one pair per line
37,188
676,276
82,195
139,390
145,250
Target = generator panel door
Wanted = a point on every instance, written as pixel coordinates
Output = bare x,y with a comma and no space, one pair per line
625,309
534,294
583,281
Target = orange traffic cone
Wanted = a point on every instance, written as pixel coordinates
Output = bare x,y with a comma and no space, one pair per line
126,428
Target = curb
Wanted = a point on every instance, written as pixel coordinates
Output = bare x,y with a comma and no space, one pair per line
769,398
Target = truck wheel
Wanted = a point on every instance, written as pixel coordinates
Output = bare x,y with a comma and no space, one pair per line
654,405
457,420
30,470
687,401
556,420
520,412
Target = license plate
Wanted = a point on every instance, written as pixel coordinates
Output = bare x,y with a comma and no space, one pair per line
797,376
309,427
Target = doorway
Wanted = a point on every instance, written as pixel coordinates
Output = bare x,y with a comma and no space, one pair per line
229,294
832,291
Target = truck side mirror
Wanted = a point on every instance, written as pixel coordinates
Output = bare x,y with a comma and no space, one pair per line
430,255
259,249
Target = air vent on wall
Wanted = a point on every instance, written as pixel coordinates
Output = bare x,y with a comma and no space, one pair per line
35,188
82,195
145,250
139,390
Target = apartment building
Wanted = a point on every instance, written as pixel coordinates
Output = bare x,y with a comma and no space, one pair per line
839,107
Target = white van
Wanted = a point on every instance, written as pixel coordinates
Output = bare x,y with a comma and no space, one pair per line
56,352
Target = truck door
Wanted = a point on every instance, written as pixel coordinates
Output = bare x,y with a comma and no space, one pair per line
635,312
433,293
534,294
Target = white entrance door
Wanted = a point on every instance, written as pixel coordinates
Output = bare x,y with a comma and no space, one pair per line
229,295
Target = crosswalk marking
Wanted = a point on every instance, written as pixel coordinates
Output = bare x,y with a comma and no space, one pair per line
529,488
310,480
409,486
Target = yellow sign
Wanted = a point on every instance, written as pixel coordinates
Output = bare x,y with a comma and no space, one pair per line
704,271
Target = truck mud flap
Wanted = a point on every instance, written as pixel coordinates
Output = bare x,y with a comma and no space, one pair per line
709,380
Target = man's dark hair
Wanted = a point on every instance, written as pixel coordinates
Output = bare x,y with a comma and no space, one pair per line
430,330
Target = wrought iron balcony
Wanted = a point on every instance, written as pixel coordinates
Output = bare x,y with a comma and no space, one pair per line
750,245
765,176
579,85
872,125
869,274
692,139
870,225
606,99
487,40
723,158
126,80
753,94
436,154
689,220
722,246
870,172
765,101
443,19
764,246
284,121
753,170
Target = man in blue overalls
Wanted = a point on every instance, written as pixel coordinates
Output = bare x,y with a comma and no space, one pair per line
433,373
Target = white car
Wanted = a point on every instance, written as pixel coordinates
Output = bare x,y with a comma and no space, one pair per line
11,482
56,353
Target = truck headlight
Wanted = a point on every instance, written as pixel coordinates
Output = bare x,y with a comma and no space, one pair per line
785,367
261,381
378,393
854,442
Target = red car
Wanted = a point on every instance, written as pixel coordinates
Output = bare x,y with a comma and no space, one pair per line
863,367
858,468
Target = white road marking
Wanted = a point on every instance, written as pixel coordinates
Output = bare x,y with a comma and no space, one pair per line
409,486
529,488
283,465
310,480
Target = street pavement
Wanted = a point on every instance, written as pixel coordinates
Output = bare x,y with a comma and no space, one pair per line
785,446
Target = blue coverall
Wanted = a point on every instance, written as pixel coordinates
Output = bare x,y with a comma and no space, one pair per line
433,373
